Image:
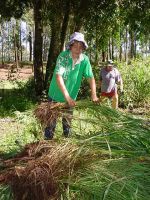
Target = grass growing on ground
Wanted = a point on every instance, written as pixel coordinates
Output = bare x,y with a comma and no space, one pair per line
113,149
16,96
113,152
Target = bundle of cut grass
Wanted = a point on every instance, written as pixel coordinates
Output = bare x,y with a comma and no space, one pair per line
47,112
109,160
39,178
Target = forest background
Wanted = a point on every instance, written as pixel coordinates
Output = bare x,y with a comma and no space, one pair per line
38,30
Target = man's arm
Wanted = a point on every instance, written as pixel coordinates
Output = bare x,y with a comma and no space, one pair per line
119,80
93,89
121,85
62,87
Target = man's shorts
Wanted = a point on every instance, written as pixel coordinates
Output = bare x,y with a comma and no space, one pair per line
109,95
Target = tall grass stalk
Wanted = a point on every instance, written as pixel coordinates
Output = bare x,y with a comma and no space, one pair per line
116,156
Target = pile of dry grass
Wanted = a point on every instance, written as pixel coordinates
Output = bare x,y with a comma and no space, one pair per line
38,177
47,112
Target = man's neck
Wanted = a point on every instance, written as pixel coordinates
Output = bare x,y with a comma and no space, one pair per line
75,56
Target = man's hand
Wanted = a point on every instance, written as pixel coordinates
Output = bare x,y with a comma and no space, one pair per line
70,101
63,88
95,99
93,90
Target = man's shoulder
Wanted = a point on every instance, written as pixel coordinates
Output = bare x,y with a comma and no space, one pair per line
116,70
102,69
63,53
85,56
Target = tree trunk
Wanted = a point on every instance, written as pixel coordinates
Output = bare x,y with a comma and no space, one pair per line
96,46
9,43
17,31
44,48
54,49
65,24
30,46
38,44
2,41
112,54
131,44
109,48
103,56
20,44
135,46
80,14
15,47
120,49
126,46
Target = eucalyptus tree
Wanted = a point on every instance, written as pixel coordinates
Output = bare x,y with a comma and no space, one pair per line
2,41
57,15
38,46
108,25
28,19
13,8
136,15
65,16
100,23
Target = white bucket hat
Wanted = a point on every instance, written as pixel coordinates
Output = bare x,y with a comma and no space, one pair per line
78,37
110,63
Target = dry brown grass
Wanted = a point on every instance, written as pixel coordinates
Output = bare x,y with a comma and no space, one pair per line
36,172
47,112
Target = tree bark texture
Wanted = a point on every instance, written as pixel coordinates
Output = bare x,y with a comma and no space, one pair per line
38,44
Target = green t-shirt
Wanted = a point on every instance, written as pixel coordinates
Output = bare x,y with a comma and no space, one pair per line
71,74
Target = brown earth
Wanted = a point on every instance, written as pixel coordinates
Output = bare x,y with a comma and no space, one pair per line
10,72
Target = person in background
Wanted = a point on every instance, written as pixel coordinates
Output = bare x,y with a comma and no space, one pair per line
109,78
71,66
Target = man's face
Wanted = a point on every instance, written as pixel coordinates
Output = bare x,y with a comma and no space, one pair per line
77,48
109,67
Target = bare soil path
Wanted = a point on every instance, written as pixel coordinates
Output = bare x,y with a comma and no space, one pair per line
7,72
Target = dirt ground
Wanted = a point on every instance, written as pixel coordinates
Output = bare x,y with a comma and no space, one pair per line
10,72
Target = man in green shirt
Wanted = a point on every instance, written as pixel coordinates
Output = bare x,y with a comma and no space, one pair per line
71,66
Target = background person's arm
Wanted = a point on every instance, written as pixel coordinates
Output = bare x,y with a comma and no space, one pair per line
121,85
62,87
118,79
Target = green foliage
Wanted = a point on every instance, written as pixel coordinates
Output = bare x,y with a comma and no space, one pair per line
135,75
12,8
5,193
19,98
27,131
136,78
